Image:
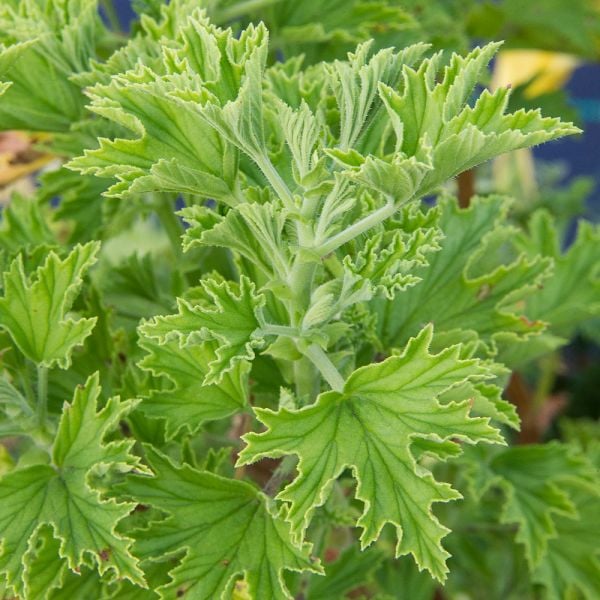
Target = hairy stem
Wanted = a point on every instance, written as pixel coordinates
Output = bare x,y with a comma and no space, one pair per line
327,369
368,222
42,395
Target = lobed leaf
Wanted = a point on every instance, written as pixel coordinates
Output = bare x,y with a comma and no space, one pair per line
59,495
34,310
225,528
371,427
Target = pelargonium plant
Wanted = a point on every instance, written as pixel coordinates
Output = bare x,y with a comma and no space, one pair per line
252,347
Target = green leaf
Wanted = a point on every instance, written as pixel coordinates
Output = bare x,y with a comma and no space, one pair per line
187,403
532,479
241,121
572,294
34,310
572,561
432,116
60,495
465,287
162,156
230,315
370,427
355,82
49,46
351,570
387,260
226,528
23,225
254,231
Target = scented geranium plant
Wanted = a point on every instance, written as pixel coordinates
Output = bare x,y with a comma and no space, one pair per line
251,347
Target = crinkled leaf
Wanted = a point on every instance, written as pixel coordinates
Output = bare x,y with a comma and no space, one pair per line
230,315
187,403
34,310
388,260
226,528
59,494
465,287
371,427
431,116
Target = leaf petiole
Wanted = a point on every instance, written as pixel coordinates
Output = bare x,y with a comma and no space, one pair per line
42,394
327,369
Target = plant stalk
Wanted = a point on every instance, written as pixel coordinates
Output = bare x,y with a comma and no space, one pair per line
327,369
42,395
368,222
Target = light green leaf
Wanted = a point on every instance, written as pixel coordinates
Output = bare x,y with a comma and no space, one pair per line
22,225
354,83
255,231
465,287
34,310
46,46
430,115
370,427
187,403
59,494
227,528
302,131
231,315
45,569
387,260
164,155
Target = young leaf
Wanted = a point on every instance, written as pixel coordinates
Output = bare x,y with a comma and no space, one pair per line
387,261
231,316
48,44
370,427
434,118
59,494
227,528
252,230
35,312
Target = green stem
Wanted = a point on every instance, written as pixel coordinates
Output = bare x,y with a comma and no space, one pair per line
370,221
271,329
166,213
306,379
277,183
42,394
327,369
